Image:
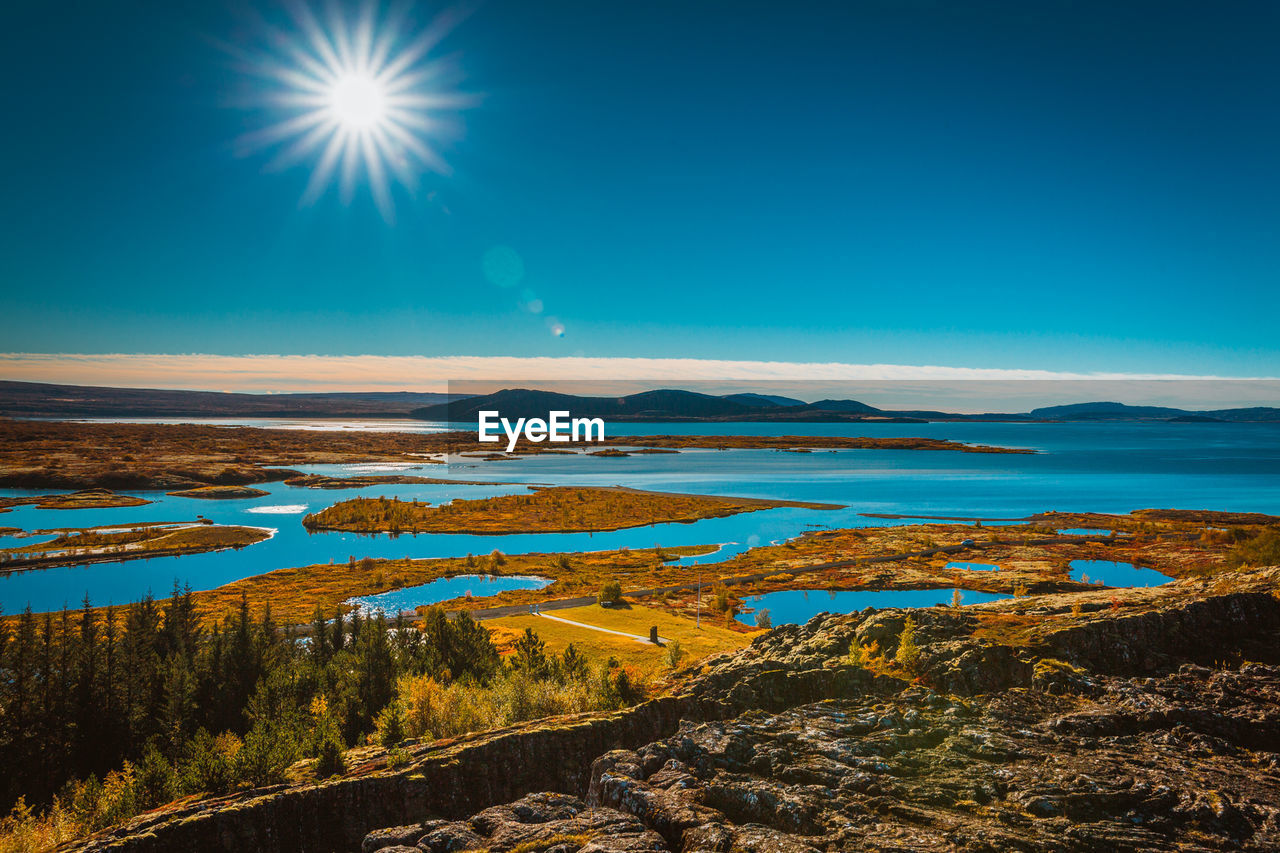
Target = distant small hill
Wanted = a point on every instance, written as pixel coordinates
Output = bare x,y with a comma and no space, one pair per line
524,403
765,400
1107,411
44,400
843,406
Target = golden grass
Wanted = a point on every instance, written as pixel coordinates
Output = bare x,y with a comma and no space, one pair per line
219,492
294,593
697,642
86,499
559,509
142,541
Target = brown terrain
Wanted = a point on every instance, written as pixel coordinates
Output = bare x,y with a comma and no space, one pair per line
81,546
551,509
171,457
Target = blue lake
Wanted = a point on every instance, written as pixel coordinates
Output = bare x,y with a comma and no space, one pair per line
1084,531
443,589
801,605
1116,574
1079,467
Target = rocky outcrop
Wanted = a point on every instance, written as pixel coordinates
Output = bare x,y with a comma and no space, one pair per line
1176,763
538,822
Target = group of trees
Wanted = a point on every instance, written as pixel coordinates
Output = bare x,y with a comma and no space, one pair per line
140,704
391,514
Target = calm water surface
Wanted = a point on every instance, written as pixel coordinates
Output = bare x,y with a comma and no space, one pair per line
443,589
1099,467
1116,574
801,605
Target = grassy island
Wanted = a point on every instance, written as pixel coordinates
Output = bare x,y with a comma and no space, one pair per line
77,546
323,481
558,509
84,499
214,493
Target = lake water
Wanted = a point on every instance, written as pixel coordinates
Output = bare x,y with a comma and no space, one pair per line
974,567
443,589
801,605
1116,574
1080,467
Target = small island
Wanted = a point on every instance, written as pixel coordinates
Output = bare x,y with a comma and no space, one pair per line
558,509
216,493
83,499
80,546
324,481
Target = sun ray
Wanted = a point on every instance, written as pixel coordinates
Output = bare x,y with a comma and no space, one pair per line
359,97
323,173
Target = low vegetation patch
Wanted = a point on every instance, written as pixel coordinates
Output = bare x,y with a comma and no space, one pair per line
651,661
220,492
560,509
89,545
84,499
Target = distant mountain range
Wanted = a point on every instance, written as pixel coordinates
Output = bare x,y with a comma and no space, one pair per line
672,405
39,400
1121,411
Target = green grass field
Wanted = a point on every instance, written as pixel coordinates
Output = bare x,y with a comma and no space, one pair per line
634,619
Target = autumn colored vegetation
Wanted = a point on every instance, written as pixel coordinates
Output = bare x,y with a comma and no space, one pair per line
559,509
78,546
112,712
174,456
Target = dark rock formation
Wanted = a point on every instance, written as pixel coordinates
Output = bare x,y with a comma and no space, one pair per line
1180,762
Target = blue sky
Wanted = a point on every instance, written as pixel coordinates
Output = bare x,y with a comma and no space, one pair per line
1072,186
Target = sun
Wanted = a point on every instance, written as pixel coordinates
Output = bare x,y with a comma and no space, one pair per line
358,100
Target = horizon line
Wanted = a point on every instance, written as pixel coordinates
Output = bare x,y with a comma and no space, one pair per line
894,385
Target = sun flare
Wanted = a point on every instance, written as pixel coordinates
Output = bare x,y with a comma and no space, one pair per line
357,100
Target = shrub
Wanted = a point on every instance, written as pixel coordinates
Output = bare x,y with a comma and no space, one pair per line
908,653
397,757
1262,550
330,761
857,654
572,665
390,725
209,766
763,619
269,748
674,654
721,597
530,654
156,781
610,593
